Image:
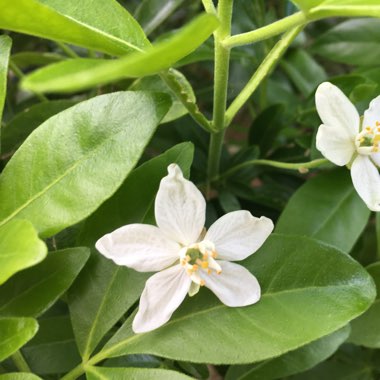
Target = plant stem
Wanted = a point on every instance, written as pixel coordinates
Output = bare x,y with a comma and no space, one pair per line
302,166
264,69
21,75
66,49
267,31
209,6
74,373
222,60
20,362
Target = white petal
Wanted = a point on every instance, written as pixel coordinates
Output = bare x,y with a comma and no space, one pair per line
366,180
180,208
235,286
335,145
372,115
238,234
162,295
139,246
376,158
336,110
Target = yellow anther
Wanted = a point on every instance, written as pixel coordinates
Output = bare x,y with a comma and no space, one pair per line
202,283
218,272
214,255
208,271
195,267
377,123
204,264
205,256
368,129
376,139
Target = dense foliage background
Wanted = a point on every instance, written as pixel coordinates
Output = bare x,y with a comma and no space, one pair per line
86,138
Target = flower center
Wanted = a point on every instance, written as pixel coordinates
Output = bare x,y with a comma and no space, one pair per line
368,140
198,260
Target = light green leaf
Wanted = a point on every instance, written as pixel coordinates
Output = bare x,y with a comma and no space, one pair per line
308,291
19,376
293,362
325,4
20,248
327,208
23,124
366,328
92,298
90,147
102,25
101,373
14,333
53,349
78,74
31,292
5,49
353,42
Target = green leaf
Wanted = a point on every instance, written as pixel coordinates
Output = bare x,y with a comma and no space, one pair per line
5,49
53,349
26,59
19,376
327,208
102,25
304,71
353,42
152,13
20,248
31,292
293,362
24,123
155,83
309,4
92,298
14,333
366,328
101,373
91,148
308,291
78,74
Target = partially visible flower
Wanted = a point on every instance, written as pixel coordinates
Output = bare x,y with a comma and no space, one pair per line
345,140
185,254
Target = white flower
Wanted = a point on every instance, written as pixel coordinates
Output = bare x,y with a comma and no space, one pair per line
343,139
187,256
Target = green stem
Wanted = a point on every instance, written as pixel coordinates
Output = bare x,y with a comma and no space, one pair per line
267,31
264,69
222,60
74,373
303,167
21,75
209,6
20,362
66,49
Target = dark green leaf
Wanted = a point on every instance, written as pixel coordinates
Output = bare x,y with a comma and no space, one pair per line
90,147
327,208
19,376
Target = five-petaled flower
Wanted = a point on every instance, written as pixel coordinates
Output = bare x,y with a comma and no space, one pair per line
185,254
345,140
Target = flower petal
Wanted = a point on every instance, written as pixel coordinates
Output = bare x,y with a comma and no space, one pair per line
366,180
235,286
336,110
139,246
238,234
376,158
162,295
335,145
180,208
372,114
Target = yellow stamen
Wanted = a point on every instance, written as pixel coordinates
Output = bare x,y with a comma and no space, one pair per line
195,267
218,272
214,255
204,264
202,283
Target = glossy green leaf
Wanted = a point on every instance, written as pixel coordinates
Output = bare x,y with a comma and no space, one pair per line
308,291
92,298
31,292
152,13
78,74
101,373
327,208
353,42
5,49
102,25
293,362
23,124
155,83
20,248
19,376
366,328
91,149
14,333
53,349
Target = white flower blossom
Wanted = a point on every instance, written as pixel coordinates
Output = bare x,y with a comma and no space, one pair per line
345,140
185,255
